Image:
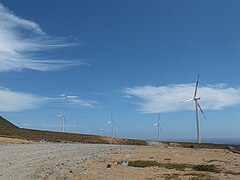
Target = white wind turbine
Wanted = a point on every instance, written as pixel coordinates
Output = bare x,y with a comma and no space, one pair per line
45,125
113,124
158,127
102,132
197,105
63,119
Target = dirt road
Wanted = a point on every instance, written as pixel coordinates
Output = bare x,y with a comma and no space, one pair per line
41,161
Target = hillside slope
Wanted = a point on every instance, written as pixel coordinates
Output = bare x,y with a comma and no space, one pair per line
8,129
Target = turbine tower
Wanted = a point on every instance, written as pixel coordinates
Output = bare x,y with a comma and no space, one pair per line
197,106
45,125
113,124
158,127
63,118
102,132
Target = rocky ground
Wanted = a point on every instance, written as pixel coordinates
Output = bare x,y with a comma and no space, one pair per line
226,162
50,160
21,159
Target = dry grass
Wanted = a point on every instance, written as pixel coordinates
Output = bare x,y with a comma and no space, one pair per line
140,163
206,168
176,166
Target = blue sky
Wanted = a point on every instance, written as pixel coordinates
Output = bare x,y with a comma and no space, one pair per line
137,58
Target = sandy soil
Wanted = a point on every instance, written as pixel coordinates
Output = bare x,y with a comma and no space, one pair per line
227,162
89,161
4,140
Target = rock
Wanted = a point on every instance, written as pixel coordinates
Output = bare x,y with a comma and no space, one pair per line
109,166
125,161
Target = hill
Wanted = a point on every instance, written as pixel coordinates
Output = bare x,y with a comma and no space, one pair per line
5,123
7,129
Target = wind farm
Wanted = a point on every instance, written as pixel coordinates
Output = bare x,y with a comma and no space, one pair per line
112,123
119,89
54,72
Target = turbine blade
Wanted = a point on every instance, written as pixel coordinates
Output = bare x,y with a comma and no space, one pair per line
196,87
201,111
187,100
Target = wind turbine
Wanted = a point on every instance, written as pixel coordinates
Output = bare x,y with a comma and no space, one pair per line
197,105
102,132
63,118
20,124
45,125
113,124
77,127
158,126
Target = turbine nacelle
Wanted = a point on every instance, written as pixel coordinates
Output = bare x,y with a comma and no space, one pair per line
196,98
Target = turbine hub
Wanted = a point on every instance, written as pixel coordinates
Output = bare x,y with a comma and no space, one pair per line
197,98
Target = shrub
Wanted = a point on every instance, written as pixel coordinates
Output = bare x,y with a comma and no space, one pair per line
208,168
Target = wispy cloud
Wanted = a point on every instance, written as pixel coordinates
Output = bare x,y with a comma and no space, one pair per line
75,101
22,41
166,98
12,101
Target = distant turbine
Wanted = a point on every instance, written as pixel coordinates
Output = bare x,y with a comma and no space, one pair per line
102,132
63,118
77,127
113,124
45,125
88,131
197,105
158,127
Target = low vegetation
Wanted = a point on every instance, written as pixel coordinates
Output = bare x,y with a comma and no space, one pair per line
143,164
176,166
207,168
139,163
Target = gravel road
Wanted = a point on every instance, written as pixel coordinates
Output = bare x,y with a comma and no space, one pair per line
41,161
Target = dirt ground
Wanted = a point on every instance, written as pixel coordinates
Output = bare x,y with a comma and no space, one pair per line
4,140
227,162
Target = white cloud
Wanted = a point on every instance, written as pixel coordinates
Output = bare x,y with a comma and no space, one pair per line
76,102
11,101
166,98
22,41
